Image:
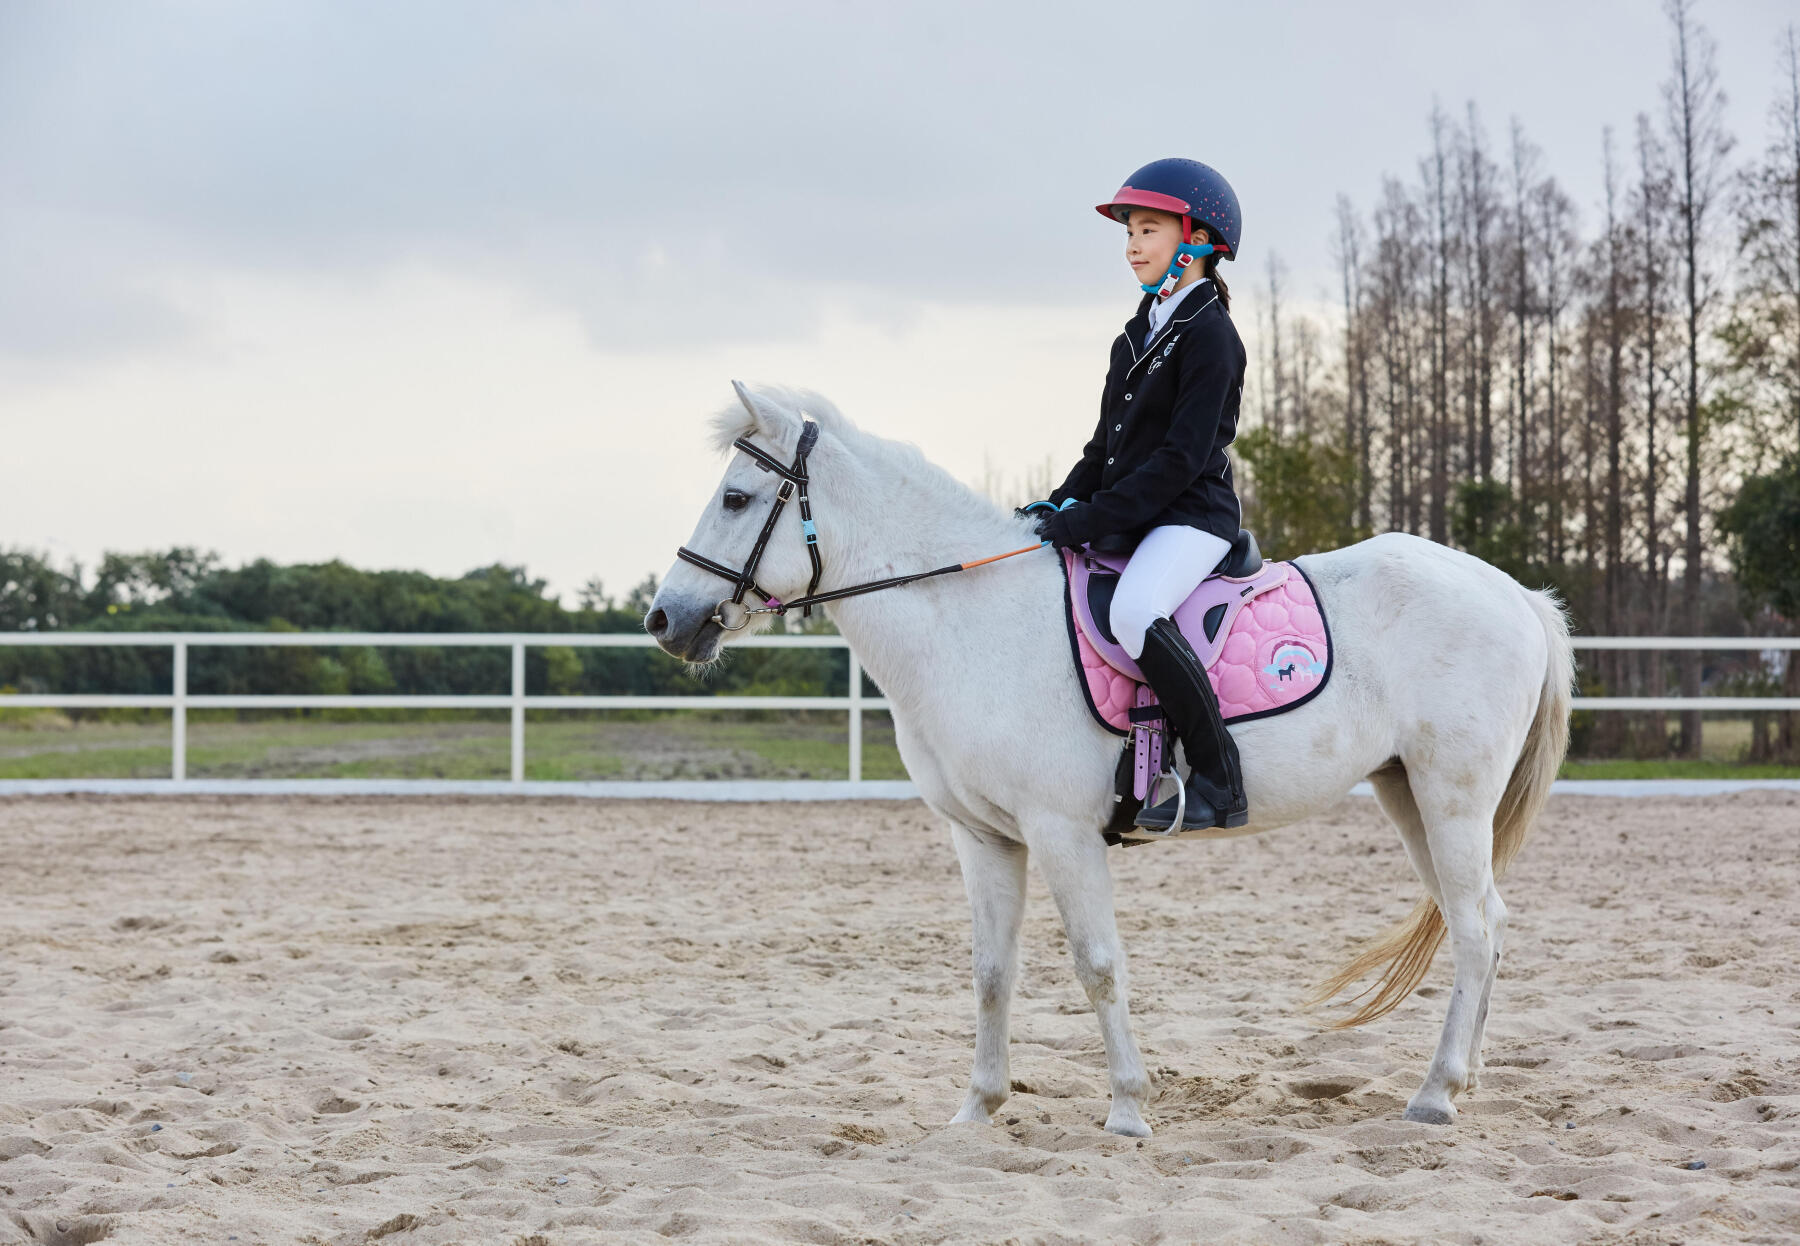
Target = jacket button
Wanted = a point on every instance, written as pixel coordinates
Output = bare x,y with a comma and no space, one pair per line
1127,397
1118,428
1109,462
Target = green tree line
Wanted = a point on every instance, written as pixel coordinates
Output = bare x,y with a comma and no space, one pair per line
186,590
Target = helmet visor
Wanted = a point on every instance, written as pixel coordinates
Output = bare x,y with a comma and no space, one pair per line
1120,205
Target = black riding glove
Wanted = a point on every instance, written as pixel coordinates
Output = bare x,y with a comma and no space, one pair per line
1053,526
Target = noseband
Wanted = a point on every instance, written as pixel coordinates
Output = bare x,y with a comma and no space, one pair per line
731,614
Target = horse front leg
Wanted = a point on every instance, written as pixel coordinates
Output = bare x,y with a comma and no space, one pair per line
1072,859
993,871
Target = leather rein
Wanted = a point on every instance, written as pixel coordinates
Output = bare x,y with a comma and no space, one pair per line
732,614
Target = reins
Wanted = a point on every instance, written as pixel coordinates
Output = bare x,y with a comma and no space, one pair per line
733,615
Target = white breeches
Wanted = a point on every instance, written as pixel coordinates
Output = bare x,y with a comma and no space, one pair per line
1166,567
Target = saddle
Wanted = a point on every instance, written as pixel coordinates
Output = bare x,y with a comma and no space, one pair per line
1257,628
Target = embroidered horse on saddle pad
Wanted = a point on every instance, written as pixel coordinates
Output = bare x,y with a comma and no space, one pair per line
1260,634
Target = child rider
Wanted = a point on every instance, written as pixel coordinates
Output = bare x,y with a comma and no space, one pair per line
1154,478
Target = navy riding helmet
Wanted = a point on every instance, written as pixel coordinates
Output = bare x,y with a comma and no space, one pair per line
1195,192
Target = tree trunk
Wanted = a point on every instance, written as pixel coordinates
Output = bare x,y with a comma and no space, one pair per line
1654,730
1613,582
1438,516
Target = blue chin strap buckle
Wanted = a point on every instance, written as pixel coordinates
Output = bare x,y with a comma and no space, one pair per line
1185,254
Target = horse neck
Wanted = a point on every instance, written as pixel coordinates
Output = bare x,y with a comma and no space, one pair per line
898,520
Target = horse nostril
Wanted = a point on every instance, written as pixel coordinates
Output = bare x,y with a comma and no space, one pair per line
656,622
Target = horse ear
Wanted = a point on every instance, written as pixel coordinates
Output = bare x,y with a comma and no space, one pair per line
777,425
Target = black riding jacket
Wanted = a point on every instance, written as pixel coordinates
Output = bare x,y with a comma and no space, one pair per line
1168,412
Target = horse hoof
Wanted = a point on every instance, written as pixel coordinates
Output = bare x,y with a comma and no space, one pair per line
1425,1115
1127,1126
973,1114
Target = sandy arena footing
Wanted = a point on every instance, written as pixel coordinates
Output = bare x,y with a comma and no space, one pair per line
544,1022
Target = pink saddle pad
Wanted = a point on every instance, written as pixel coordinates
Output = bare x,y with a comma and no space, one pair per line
1271,652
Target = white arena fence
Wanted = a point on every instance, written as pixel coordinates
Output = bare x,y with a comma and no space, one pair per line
179,701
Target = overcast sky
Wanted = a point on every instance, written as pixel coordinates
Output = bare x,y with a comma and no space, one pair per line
441,284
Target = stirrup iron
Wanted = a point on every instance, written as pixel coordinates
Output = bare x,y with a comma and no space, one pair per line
1150,800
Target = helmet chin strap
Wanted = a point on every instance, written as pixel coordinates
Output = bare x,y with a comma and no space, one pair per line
1185,254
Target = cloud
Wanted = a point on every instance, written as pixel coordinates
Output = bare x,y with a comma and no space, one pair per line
619,158
782,157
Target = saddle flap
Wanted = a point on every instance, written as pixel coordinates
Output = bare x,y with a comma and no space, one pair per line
1206,617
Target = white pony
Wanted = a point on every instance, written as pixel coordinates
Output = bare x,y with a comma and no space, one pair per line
1450,693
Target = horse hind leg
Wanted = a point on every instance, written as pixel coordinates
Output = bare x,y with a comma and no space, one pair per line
1394,794
1494,912
993,871
1459,832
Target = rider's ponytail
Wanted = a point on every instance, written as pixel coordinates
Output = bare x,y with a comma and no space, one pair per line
1212,274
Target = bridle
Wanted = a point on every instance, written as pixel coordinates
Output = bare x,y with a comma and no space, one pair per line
792,477
732,614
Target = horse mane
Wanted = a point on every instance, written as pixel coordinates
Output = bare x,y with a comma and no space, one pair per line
733,421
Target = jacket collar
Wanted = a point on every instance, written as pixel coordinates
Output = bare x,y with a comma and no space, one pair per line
1191,305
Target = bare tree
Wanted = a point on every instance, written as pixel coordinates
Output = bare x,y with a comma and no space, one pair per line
1555,215
1652,203
1766,338
1524,161
1475,209
1613,311
1397,229
1784,250
1274,416
1356,367
1437,179
1699,144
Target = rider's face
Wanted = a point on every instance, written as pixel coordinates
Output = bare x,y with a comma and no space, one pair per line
1150,241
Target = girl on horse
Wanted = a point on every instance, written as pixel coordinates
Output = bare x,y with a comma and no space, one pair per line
1154,478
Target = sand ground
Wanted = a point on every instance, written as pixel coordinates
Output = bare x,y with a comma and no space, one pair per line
546,1022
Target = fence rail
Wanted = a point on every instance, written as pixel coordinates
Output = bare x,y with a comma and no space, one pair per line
179,701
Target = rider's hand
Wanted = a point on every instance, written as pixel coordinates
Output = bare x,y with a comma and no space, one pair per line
1053,526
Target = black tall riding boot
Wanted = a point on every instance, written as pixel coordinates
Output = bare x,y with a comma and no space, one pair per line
1215,788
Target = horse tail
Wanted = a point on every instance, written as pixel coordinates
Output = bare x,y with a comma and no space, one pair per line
1545,743
1404,954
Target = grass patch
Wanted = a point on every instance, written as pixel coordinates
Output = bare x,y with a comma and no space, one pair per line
114,763
1674,768
475,745
570,747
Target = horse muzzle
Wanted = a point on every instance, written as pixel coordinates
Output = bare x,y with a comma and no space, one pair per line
689,633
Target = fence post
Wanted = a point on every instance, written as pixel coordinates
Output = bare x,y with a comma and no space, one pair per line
518,713
178,714
856,715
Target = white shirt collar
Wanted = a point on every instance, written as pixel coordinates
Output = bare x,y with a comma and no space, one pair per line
1161,311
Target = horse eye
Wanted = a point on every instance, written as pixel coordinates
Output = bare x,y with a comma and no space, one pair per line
736,499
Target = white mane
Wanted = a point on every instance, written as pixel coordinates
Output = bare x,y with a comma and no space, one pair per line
880,454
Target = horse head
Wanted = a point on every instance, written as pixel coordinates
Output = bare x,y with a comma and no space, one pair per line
693,613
